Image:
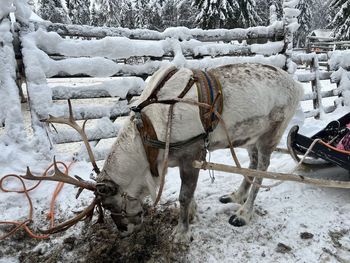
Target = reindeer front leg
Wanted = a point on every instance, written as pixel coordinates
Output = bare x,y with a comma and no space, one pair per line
189,177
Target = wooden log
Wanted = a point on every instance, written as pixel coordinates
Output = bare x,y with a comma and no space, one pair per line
316,112
306,58
324,94
188,49
100,153
330,43
273,32
105,89
310,76
315,86
271,175
93,134
91,111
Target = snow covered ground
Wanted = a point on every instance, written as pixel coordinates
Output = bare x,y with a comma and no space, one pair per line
274,234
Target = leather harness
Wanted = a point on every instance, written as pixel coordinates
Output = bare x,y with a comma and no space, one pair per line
209,92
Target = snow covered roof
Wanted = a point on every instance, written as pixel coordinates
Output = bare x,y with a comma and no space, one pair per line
322,33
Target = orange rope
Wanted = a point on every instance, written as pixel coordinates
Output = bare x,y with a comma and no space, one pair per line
18,224
51,214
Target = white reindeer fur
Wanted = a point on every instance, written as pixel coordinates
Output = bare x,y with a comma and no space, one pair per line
250,92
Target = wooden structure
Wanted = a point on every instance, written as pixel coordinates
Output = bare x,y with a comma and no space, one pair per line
322,41
125,58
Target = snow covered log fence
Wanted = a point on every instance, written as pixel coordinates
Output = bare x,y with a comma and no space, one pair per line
121,56
271,175
318,73
272,32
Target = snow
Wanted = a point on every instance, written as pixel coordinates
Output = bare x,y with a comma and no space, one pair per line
282,213
339,58
342,78
118,87
111,47
269,48
10,108
20,7
6,8
291,12
322,34
290,3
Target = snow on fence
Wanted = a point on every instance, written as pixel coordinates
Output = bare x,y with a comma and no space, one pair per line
11,120
126,57
334,72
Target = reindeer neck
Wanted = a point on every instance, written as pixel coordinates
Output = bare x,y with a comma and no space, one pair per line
127,163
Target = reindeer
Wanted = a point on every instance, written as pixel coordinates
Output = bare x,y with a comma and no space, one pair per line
258,102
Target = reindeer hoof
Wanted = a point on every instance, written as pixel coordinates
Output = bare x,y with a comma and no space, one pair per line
225,199
237,221
181,237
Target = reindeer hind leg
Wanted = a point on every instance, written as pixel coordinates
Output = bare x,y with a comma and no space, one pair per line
265,146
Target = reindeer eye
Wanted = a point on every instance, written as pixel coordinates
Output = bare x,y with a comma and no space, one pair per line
107,188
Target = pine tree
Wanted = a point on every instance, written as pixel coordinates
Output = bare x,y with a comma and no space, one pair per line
305,20
322,14
169,14
186,13
263,10
127,14
110,13
156,19
78,11
106,13
53,11
227,13
141,14
341,21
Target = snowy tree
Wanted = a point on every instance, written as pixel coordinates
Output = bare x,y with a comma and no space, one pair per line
170,13
142,11
78,11
127,14
106,13
186,13
305,20
227,13
341,21
322,14
53,10
263,10
156,20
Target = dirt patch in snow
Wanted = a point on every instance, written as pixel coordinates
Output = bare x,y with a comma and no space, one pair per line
103,243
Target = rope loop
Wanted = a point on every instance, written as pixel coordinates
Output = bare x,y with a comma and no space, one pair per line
24,224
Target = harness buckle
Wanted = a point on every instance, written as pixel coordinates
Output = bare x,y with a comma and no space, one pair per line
135,109
206,142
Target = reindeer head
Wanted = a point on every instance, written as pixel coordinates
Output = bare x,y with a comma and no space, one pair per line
126,211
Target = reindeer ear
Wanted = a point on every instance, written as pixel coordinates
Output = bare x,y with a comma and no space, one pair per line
151,185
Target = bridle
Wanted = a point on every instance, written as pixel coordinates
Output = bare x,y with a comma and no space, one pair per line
124,213
113,191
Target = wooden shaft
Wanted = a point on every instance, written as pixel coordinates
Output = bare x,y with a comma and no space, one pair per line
271,175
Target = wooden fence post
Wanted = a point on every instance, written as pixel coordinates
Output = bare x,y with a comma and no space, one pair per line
290,20
316,87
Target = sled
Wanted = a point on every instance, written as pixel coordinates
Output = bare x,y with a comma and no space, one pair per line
324,151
